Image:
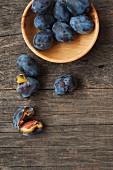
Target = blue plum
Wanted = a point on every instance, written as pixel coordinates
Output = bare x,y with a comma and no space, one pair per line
43,40
44,21
22,115
82,24
60,11
63,32
28,66
65,84
26,86
78,7
41,6
31,128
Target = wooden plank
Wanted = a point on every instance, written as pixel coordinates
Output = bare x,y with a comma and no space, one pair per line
58,156
42,168
11,18
53,168
90,136
93,106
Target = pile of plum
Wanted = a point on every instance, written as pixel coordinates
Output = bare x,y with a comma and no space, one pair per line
27,85
59,20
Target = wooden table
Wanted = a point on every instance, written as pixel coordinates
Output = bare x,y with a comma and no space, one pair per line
78,133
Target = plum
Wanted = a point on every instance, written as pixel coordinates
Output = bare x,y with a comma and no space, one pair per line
43,40
82,24
65,84
44,21
22,122
78,7
22,115
28,66
31,128
63,32
26,85
60,11
41,6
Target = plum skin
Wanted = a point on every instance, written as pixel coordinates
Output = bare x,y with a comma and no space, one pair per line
28,66
43,40
27,86
44,21
41,6
82,24
65,84
63,32
60,11
78,7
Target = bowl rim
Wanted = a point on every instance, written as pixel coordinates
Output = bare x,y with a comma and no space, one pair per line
37,52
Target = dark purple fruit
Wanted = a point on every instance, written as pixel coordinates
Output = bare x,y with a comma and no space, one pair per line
41,6
44,21
65,84
43,40
78,7
28,66
26,85
63,32
82,24
60,11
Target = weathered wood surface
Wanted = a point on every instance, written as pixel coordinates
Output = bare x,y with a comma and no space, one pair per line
88,106
78,133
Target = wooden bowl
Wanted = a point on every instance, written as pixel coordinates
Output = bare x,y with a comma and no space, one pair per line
59,52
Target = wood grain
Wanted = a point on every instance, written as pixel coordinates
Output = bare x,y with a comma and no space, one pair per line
82,136
78,133
94,106
58,156
42,168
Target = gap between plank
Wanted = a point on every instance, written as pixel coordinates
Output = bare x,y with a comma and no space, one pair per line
7,35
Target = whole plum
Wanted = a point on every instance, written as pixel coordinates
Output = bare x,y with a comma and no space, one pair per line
41,6
28,66
44,21
65,84
60,11
63,32
26,85
43,40
78,7
82,24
